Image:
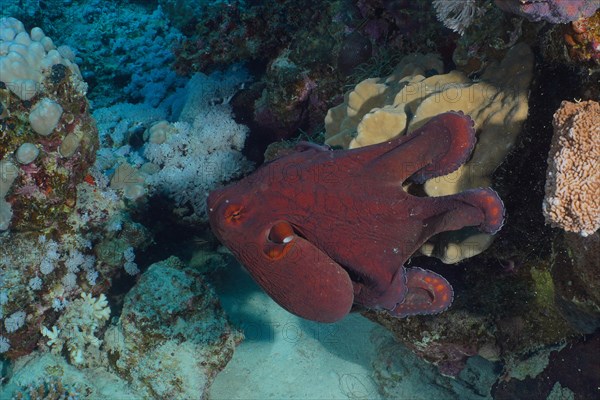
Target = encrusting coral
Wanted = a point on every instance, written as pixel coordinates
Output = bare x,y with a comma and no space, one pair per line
572,199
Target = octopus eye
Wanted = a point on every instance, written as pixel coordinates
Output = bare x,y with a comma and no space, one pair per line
233,213
281,233
281,240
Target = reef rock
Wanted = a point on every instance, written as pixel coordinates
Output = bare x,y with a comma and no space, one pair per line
576,273
172,337
56,213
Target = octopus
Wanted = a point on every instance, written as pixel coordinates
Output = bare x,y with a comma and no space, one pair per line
321,230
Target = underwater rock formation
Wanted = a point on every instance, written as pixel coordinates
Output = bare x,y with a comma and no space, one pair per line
170,341
572,372
395,365
531,291
582,38
172,337
49,376
224,34
576,275
499,316
305,59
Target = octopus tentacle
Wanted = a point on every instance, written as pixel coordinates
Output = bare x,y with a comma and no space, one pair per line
437,148
428,293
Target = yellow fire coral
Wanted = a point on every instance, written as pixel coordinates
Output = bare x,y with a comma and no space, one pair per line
378,109
572,199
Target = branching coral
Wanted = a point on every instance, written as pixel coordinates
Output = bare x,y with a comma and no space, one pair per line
203,148
77,327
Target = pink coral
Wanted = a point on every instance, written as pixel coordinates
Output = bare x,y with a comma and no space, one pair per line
572,199
555,11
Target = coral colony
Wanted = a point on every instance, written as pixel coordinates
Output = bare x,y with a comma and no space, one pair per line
342,152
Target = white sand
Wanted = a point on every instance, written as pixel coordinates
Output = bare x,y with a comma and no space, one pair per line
286,357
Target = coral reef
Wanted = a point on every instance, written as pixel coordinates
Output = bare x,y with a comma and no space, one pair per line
570,373
50,140
582,38
295,53
181,160
457,15
123,48
49,376
43,276
229,33
554,11
81,201
488,38
59,219
170,340
524,297
47,389
502,316
394,366
572,199
306,58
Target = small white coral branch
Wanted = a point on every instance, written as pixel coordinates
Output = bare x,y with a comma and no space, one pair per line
77,327
99,307
51,334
